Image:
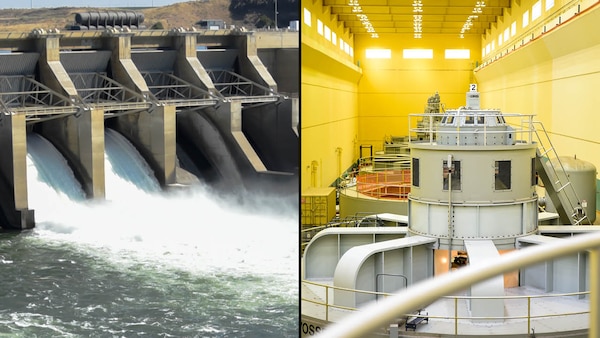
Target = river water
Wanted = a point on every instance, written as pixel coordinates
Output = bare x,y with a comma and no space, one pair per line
145,262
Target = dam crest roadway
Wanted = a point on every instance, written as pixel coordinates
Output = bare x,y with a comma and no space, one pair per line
213,106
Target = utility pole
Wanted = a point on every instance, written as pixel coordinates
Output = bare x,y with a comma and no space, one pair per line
275,14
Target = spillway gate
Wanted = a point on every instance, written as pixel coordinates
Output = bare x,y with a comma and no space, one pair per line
219,107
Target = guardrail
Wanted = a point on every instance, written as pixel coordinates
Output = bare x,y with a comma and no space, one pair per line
375,315
386,184
326,307
307,233
427,126
380,177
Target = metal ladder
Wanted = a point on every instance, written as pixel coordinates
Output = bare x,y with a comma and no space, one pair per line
556,181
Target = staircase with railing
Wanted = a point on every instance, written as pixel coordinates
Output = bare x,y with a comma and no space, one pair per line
556,181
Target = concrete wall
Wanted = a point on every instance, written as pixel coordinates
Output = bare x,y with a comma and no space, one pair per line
214,134
278,63
14,206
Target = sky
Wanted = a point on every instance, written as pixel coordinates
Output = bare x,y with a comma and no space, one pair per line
84,3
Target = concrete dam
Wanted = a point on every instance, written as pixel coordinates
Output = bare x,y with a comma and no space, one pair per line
217,107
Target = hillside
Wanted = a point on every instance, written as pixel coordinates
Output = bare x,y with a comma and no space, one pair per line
184,14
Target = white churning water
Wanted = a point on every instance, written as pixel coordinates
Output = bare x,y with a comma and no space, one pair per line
192,231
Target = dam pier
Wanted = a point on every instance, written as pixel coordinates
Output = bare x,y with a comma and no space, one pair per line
213,106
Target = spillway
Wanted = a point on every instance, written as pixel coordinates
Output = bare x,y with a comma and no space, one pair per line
179,263
124,162
216,108
131,224
46,164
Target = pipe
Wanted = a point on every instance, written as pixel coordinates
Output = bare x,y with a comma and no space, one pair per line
450,218
314,165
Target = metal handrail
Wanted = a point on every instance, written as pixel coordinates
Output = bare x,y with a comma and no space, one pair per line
375,182
455,300
165,86
558,176
23,94
522,125
98,89
230,83
375,315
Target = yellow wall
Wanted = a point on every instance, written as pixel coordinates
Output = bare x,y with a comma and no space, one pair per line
390,89
555,77
496,42
348,100
328,122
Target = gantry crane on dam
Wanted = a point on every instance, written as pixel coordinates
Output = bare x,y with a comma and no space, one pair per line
219,107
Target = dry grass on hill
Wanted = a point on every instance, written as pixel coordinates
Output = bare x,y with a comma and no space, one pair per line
183,14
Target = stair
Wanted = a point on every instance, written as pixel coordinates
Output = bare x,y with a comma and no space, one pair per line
556,181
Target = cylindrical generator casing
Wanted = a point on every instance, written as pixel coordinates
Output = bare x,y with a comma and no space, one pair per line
477,208
582,176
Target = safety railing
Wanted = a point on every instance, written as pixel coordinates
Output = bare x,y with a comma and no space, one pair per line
100,91
322,299
388,184
360,219
318,298
557,180
23,94
307,233
373,316
232,85
521,128
172,90
380,177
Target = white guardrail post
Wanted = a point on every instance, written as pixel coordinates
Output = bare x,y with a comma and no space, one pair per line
375,315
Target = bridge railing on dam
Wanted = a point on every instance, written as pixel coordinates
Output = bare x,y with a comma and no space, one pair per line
235,86
171,90
197,105
102,92
23,94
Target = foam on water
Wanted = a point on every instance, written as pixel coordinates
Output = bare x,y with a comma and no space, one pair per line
193,230
125,168
145,262
46,165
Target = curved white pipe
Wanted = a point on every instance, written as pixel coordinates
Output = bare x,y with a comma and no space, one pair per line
375,315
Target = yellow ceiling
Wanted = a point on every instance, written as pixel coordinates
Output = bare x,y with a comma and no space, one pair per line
402,16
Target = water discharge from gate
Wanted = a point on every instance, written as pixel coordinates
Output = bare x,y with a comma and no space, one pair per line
214,266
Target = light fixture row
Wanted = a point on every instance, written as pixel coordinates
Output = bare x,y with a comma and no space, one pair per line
417,19
478,9
357,10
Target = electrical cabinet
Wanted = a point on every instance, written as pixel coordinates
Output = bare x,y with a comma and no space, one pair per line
317,206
